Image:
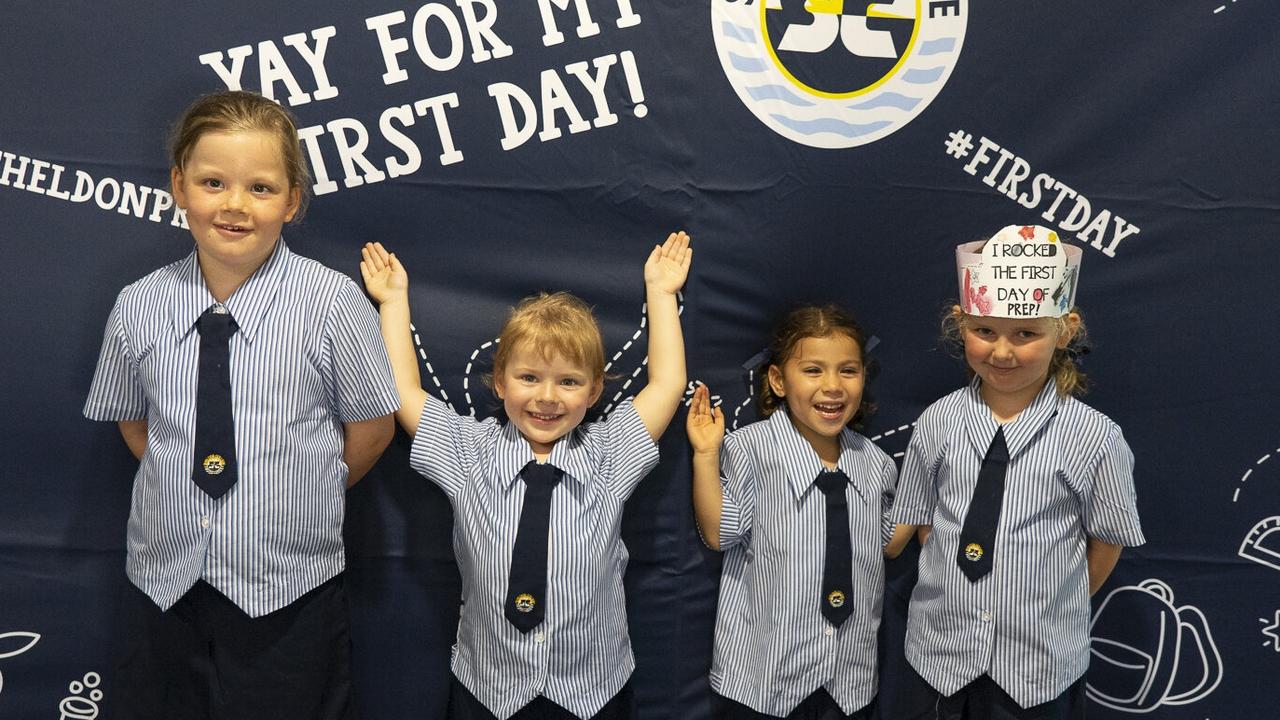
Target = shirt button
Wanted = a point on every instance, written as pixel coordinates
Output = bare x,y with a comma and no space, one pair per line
204,521
986,616
539,637
828,632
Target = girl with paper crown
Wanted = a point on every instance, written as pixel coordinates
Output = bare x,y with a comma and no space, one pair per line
1023,495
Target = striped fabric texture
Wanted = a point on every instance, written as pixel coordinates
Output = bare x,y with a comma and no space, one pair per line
773,647
307,358
580,656
1026,624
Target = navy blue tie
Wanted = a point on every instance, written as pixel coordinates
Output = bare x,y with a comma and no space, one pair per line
837,570
978,535
526,602
215,447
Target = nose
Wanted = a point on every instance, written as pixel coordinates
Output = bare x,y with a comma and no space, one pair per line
831,383
233,199
546,392
1002,350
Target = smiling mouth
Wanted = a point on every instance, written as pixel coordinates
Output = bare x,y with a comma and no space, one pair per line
544,417
829,410
231,228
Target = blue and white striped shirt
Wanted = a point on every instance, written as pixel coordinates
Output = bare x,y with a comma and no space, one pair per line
773,647
307,358
1026,624
580,656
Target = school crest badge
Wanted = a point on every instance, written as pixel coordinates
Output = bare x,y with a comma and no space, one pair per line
837,73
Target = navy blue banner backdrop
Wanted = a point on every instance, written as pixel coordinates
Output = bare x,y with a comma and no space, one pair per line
815,151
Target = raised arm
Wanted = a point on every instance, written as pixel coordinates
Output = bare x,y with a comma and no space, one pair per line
388,284
705,425
664,274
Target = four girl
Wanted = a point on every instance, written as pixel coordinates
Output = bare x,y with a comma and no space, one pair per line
261,391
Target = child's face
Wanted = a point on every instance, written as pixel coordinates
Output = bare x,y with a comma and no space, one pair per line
545,398
822,384
235,189
1012,355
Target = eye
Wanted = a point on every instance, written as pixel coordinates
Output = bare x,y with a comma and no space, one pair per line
1028,334
261,189
811,370
212,183
851,371
570,382
527,377
982,332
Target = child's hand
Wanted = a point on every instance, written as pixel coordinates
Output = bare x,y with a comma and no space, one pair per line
384,276
668,264
705,424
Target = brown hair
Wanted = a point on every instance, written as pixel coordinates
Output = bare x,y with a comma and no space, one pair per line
1067,376
553,323
812,321
238,111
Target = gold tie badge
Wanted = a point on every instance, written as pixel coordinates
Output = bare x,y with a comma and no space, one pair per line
835,598
214,464
973,551
525,602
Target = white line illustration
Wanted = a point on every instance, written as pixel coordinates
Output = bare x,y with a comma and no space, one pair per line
1151,653
15,643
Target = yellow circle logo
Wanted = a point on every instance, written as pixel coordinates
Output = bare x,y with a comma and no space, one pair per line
525,602
835,598
214,464
973,552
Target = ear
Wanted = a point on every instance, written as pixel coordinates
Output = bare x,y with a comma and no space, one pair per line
1071,325
499,387
175,185
295,199
596,389
775,381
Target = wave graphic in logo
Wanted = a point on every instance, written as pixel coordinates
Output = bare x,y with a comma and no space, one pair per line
836,74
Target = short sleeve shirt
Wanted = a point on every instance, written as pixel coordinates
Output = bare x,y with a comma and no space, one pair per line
773,647
580,655
307,357
1026,623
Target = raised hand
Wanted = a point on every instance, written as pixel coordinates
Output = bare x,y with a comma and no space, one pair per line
384,276
668,264
705,424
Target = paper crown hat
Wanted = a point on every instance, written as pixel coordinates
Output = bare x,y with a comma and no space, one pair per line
1023,271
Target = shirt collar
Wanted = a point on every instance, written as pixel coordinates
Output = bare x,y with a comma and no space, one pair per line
801,461
981,427
248,304
514,452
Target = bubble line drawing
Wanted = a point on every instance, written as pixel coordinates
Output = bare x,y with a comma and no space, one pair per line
15,643
82,703
1220,8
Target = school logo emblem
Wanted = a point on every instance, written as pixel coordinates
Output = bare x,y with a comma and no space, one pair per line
214,464
525,602
836,599
973,552
837,73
